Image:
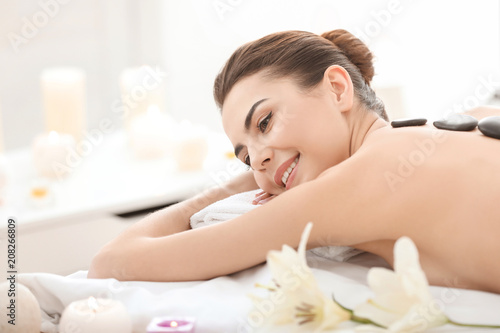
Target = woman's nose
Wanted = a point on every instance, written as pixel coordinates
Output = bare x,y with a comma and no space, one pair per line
260,157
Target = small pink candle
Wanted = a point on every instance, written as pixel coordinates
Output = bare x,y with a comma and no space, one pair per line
171,325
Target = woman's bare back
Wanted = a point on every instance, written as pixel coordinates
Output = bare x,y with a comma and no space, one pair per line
445,188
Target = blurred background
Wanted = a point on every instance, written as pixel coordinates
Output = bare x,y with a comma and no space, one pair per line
433,53
106,107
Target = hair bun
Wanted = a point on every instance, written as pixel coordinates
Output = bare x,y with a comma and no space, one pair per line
354,49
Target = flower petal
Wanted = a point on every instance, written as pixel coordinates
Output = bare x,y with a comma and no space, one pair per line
302,301
303,240
420,318
402,302
388,291
375,313
407,264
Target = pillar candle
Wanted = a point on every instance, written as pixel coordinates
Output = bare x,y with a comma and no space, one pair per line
190,146
140,87
63,91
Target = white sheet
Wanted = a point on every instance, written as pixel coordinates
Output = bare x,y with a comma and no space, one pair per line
221,305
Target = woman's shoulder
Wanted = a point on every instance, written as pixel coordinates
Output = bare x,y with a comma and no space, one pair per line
388,147
481,112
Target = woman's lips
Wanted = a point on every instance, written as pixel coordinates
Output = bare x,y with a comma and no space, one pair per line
281,170
292,176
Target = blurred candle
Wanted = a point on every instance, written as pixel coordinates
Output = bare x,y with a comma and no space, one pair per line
50,152
191,146
150,133
140,87
95,315
63,92
26,315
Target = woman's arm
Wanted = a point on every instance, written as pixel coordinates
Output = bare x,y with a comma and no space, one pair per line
243,242
172,219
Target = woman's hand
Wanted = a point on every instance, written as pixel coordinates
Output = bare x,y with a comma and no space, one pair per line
262,197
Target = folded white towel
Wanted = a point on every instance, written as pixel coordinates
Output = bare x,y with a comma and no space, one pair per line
224,209
241,203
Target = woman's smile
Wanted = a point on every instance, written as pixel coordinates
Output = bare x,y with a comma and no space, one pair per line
284,172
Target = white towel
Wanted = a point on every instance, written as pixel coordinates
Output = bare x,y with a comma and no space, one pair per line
241,203
224,209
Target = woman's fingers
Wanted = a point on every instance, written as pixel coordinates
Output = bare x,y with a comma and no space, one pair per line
259,196
267,199
262,197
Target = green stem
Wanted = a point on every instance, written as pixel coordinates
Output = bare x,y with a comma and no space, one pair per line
472,325
355,318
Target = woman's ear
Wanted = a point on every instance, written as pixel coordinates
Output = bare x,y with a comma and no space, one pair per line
339,84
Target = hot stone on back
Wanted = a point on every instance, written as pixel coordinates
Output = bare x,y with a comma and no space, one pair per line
490,126
408,122
457,122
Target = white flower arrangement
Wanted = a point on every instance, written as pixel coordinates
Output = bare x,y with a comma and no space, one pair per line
402,300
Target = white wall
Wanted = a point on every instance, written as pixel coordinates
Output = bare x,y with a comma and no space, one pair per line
102,37
437,52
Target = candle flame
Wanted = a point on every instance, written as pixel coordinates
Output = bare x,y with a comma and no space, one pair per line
39,192
173,324
153,110
53,136
93,304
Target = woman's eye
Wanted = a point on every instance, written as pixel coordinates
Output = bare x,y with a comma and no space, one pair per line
247,160
264,122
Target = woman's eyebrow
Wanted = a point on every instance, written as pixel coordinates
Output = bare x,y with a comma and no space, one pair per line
248,121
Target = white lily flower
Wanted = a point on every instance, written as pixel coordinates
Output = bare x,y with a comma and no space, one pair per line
402,302
295,296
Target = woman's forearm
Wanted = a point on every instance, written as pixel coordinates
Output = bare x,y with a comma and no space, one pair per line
167,221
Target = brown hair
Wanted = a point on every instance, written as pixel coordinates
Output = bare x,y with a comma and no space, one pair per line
305,57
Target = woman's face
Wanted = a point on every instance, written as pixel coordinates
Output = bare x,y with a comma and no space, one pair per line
286,136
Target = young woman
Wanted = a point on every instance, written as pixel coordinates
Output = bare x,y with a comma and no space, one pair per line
300,112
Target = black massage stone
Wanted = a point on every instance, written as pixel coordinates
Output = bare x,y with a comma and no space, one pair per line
457,122
490,126
408,122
